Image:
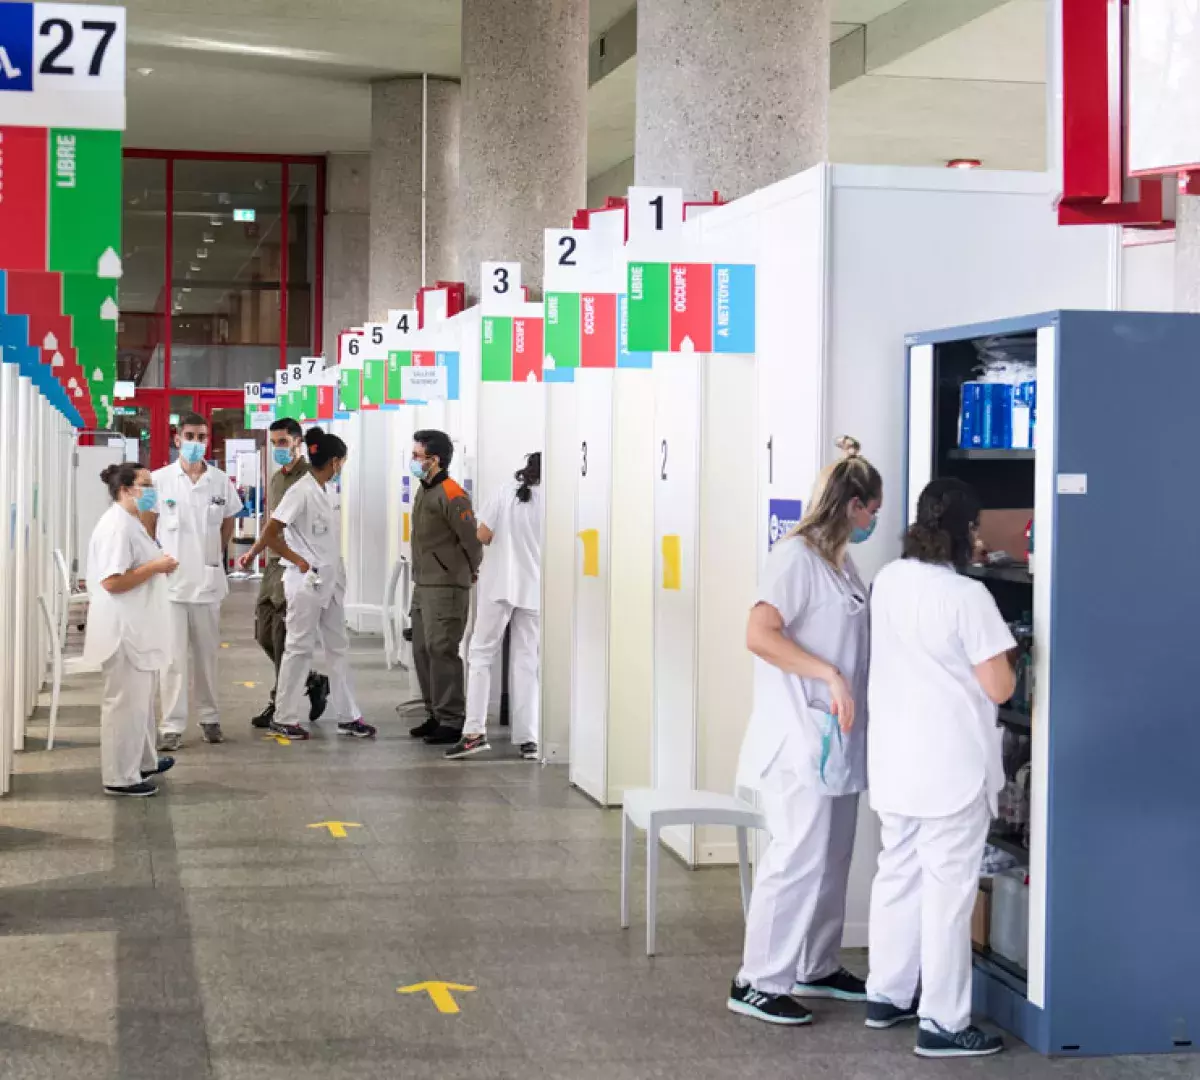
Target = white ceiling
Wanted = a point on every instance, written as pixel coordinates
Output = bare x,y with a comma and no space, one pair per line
281,76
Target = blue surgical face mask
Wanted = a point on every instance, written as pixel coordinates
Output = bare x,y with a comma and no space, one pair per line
417,468
191,452
147,499
283,456
859,534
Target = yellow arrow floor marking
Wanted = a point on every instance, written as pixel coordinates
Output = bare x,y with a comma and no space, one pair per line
439,993
336,828
283,740
224,644
248,685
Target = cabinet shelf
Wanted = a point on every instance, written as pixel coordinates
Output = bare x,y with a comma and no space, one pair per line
1014,718
992,455
1014,572
1006,970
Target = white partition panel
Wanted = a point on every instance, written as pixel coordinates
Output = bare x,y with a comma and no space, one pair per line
677,382
21,592
593,517
9,393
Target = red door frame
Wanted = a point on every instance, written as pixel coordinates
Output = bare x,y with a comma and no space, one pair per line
157,399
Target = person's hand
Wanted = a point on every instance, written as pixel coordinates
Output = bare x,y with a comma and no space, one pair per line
979,552
246,561
842,702
303,566
165,564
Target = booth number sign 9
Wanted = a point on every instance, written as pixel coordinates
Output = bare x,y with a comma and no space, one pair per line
299,372
62,65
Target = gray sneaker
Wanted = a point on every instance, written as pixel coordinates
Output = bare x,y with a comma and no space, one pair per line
170,740
212,733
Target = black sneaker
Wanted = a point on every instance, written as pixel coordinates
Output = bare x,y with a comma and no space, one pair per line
165,765
135,791
883,1014
772,1008
529,751
356,729
840,986
443,736
263,720
423,731
970,1042
294,732
467,746
317,690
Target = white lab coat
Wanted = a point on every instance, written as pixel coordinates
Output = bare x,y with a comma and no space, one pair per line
510,594
190,516
316,602
935,773
807,773
125,636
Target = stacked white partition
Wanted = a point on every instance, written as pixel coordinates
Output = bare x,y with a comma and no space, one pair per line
9,393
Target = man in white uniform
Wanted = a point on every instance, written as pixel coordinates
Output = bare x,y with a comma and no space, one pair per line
194,522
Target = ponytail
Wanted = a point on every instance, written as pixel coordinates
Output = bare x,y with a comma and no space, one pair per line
322,447
530,477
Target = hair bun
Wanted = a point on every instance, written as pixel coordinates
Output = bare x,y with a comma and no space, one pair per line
109,472
849,446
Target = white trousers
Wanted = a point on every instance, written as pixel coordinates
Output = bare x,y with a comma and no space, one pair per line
487,642
921,905
798,906
195,642
127,744
314,615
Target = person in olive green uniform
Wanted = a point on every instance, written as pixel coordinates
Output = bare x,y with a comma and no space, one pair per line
270,615
446,554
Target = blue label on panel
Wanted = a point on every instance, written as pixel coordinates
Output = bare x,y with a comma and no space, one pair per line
558,375
14,330
406,489
733,309
266,391
449,360
341,416
16,47
625,358
783,515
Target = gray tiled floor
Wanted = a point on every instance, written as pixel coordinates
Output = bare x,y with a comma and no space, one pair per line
210,934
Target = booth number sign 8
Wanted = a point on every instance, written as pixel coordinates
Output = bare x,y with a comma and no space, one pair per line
48,45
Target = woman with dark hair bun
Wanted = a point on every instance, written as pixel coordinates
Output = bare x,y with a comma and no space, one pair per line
939,668
510,597
306,531
126,628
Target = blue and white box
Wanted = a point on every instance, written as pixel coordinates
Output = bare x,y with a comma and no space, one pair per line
970,417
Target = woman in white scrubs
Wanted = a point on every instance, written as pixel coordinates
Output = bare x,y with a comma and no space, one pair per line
939,667
306,531
805,748
127,627
509,595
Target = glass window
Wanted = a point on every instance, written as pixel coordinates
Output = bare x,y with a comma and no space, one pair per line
142,295
301,260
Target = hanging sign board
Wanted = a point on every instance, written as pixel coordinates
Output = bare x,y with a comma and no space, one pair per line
512,345
691,307
62,64
424,383
500,286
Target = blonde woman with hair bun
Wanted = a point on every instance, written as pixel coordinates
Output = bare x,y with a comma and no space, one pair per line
805,747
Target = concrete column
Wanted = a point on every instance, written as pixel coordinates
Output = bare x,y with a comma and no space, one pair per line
346,234
524,128
1187,253
414,146
732,95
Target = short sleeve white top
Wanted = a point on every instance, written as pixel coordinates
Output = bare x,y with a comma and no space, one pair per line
136,619
826,613
190,516
512,563
313,517
934,744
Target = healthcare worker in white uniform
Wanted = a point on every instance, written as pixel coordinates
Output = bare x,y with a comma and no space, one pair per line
805,748
193,522
306,531
126,629
509,594
939,667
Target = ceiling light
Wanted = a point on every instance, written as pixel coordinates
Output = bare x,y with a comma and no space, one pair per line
144,71
963,163
201,253
194,267
216,222
209,238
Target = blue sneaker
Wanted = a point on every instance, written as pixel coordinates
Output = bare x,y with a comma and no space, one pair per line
165,765
937,1042
840,986
882,1015
772,1008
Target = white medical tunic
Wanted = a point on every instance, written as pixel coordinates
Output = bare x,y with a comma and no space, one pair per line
825,612
512,563
934,744
189,528
136,619
313,519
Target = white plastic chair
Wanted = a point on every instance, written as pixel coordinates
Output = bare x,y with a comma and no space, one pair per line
391,650
653,810
59,665
68,598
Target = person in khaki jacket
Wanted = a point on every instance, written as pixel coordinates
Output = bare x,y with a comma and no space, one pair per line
270,614
446,554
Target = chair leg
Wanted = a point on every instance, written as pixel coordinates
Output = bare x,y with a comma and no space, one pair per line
651,884
743,843
54,692
626,859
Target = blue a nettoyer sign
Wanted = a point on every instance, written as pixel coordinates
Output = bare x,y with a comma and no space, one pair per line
783,515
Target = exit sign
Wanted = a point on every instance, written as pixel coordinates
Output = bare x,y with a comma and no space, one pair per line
244,215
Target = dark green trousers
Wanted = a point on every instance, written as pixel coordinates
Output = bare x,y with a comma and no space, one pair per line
439,621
